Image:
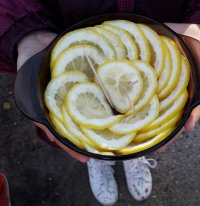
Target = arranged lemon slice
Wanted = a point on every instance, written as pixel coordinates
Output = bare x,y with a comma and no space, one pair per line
137,121
74,129
169,113
98,151
62,130
126,39
149,84
107,139
58,87
157,49
137,34
86,36
142,136
181,85
138,147
114,40
87,106
166,73
176,67
75,58
122,81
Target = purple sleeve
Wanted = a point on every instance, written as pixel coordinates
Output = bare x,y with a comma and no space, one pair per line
193,12
17,18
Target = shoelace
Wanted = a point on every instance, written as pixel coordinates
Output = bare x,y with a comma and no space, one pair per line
136,166
107,173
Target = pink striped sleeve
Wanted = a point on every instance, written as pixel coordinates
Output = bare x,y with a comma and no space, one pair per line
17,18
193,12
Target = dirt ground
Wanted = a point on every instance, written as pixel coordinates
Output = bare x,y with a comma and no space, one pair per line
40,175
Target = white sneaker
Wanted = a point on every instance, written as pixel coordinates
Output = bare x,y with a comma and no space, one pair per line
102,181
138,176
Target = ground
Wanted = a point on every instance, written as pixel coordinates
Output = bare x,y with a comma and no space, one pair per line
40,175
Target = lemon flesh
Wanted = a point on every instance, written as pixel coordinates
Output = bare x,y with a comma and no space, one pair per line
137,121
138,147
144,135
58,87
86,36
176,67
75,58
181,85
149,84
137,34
122,81
62,130
168,113
132,51
107,139
87,106
114,40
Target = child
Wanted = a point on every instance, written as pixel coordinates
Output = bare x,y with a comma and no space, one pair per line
27,28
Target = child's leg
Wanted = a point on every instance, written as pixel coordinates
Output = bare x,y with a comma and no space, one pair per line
138,176
102,181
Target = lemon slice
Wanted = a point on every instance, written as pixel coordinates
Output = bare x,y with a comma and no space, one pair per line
142,136
86,36
169,113
157,49
137,34
166,73
75,58
176,67
62,130
87,106
181,85
126,39
122,81
138,147
137,121
114,40
98,151
149,84
74,129
58,87
107,139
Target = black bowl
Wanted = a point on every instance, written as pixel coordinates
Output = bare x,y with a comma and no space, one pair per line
34,76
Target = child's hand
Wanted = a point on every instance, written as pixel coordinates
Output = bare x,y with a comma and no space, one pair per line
27,47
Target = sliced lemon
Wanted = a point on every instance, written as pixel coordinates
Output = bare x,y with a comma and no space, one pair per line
75,58
114,40
176,67
86,36
74,129
138,120
62,130
122,81
107,139
181,85
130,45
138,147
157,49
169,113
166,73
137,34
98,151
144,135
87,106
150,84
58,87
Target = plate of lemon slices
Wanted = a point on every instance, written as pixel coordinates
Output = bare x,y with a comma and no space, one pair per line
116,88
